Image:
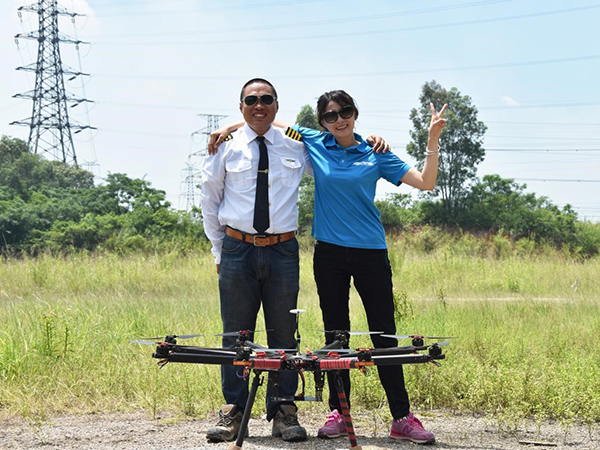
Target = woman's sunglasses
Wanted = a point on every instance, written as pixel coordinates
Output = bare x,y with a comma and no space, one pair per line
345,113
266,99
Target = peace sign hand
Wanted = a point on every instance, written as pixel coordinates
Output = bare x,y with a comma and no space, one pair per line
437,123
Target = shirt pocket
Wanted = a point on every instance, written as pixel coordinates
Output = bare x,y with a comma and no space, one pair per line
239,173
291,171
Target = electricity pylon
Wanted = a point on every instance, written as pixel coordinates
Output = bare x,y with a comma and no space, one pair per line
191,174
50,130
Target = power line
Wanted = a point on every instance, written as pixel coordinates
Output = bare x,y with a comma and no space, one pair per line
304,24
546,105
550,138
250,5
546,123
392,113
367,33
537,150
363,112
93,164
144,133
556,180
361,74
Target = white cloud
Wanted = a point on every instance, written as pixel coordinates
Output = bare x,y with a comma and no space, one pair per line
509,100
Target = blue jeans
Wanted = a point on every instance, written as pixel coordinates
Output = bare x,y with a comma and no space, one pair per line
251,276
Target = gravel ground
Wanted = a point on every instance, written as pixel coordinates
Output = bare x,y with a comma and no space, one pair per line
137,431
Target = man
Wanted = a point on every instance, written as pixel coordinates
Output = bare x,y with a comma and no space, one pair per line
249,195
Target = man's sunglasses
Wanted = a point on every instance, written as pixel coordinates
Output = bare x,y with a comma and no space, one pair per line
266,99
345,113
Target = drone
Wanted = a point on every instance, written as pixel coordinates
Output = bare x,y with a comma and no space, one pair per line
333,357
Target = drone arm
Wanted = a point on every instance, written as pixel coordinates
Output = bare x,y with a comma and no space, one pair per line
197,358
394,360
261,364
342,364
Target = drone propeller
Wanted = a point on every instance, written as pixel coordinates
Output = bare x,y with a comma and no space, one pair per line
326,351
240,333
352,333
415,336
169,339
276,350
144,342
176,336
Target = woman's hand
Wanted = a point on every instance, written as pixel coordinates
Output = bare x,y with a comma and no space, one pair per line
378,144
437,124
216,137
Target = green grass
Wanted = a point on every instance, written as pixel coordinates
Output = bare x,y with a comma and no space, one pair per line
528,327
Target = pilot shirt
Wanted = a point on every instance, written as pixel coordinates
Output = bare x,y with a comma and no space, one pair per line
345,183
229,184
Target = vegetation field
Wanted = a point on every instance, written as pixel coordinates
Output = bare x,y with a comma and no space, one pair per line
527,323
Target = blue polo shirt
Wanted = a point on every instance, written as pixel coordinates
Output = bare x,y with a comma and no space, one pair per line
345,182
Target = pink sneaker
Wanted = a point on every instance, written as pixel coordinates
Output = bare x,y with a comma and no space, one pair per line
335,426
411,429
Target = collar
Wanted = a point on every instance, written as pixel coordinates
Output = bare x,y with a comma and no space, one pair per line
250,135
362,147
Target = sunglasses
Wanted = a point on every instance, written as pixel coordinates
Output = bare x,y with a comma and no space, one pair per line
345,113
266,99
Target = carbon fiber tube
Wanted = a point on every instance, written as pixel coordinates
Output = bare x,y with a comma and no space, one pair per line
198,359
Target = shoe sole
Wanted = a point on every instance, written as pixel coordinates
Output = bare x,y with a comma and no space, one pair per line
331,436
295,437
223,437
416,441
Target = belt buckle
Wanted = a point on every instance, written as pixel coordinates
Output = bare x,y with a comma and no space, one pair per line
259,236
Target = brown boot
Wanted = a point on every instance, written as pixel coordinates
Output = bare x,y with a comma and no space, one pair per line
286,426
226,429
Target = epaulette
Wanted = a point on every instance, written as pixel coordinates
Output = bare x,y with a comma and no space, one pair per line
293,134
228,138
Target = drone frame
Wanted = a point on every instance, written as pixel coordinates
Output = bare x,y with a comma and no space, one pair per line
333,357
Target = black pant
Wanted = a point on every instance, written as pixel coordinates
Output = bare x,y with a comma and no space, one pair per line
333,267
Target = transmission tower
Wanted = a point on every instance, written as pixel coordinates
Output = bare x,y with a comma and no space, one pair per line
191,174
212,124
50,130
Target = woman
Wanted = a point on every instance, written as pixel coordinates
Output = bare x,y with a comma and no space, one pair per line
351,242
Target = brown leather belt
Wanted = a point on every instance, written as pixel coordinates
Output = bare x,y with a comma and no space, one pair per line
260,240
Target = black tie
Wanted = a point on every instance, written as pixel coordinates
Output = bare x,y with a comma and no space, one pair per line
261,203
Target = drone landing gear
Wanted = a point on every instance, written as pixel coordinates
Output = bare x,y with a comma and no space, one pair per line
256,382
339,387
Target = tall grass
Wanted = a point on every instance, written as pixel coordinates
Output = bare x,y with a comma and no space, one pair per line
528,326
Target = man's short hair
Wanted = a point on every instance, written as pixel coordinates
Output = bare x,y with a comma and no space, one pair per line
257,80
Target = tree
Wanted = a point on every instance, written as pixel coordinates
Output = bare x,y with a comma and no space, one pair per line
497,203
307,118
50,205
461,144
306,197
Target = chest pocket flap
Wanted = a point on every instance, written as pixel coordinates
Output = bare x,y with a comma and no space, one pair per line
292,171
239,173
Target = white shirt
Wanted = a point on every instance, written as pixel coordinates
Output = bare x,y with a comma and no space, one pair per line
229,184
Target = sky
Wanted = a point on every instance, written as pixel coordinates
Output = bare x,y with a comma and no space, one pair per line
530,67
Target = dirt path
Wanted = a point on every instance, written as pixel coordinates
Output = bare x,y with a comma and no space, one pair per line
137,431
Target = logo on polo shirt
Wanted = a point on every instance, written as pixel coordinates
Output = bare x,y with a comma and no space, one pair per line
362,163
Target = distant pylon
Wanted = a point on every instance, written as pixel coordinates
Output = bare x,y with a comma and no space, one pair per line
191,174
50,130
212,124
191,179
